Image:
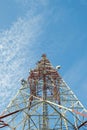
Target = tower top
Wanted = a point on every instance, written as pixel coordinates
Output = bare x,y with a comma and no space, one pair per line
44,66
43,55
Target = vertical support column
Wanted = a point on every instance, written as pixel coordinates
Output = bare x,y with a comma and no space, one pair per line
39,122
29,122
45,112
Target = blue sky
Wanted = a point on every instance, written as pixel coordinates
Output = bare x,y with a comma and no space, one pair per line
29,28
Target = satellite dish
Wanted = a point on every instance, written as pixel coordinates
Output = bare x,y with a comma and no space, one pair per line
58,67
23,81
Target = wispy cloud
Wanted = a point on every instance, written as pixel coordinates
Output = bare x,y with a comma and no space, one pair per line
16,45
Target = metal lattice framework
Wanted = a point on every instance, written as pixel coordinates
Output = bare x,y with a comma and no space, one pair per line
44,102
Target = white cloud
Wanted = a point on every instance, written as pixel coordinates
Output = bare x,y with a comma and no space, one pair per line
16,45
1,46
27,2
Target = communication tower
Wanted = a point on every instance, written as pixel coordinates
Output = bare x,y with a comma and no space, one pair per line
44,102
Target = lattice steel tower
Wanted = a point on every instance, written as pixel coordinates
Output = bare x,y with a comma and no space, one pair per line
44,102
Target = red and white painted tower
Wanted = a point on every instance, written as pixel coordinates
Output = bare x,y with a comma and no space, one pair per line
44,102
